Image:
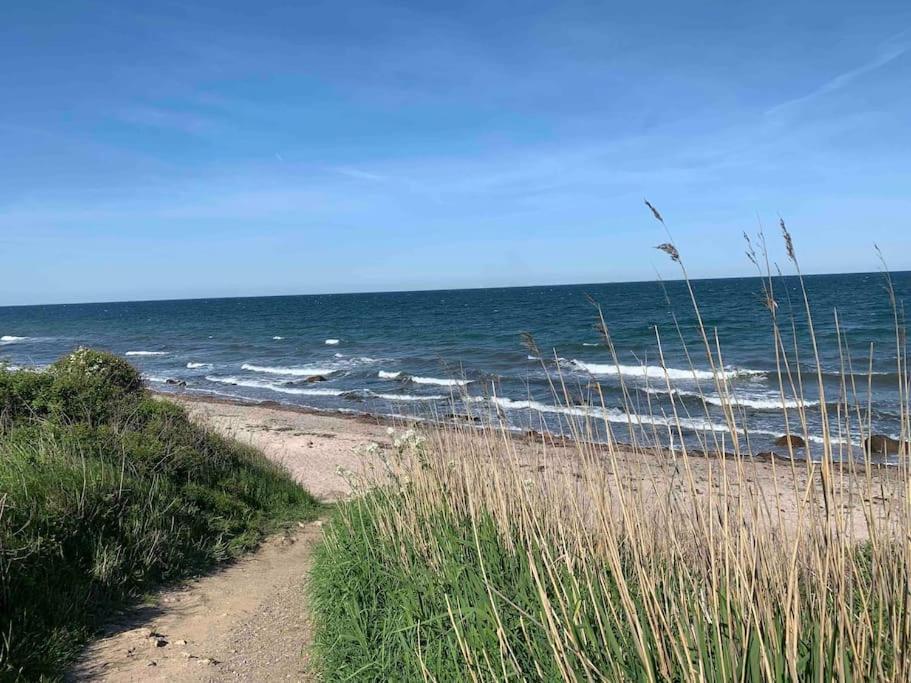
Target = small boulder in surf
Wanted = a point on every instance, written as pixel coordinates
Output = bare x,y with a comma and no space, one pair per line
882,445
791,440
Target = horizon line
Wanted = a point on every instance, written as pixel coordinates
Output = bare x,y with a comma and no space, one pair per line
452,289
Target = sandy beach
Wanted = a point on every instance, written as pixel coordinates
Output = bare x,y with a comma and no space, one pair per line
323,450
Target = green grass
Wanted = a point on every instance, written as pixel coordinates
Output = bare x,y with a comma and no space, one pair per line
458,602
456,570
106,492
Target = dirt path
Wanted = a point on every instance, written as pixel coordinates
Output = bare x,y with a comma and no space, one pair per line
246,622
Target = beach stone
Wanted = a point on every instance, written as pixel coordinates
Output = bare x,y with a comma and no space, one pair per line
882,445
791,440
316,378
353,396
175,382
466,418
157,640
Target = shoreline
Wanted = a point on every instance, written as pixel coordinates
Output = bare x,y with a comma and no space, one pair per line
333,455
526,436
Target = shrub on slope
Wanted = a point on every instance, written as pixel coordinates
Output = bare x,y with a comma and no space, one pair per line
104,492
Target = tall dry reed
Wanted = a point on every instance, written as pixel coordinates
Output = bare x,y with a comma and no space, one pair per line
474,555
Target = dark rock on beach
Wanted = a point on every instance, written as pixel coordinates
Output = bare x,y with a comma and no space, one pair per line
883,445
466,418
791,440
316,378
175,382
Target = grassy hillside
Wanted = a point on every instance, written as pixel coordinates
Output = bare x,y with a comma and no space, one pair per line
105,492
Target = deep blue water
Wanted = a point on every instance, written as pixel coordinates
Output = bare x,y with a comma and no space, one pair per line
265,348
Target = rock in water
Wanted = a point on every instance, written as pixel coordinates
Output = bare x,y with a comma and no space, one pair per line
791,440
882,445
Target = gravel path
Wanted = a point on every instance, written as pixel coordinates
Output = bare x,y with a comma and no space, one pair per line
246,622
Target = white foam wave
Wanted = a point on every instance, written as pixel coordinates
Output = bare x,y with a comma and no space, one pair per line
385,374
198,366
332,342
278,338
10,339
657,372
259,384
835,441
440,382
306,371
155,379
146,353
339,355
590,344
613,415
409,397
756,402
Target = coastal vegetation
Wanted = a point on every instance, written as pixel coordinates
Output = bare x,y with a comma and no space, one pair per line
105,492
461,558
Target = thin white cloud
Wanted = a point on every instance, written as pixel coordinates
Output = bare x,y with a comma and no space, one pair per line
360,174
888,53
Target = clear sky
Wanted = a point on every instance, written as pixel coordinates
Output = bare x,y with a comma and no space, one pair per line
184,149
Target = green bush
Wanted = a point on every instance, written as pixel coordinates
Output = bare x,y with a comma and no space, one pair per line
23,394
91,385
105,492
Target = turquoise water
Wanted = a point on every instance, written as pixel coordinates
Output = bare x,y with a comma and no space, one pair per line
407,353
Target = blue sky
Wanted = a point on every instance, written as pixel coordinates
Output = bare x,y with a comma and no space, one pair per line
184,149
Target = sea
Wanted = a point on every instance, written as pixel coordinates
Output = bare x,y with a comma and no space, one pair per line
528,358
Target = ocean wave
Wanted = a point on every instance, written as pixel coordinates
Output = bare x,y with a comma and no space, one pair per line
198,366
408,397
439,382
332,342
155,379
755,402
277,338
146,353
10,339
385,374
306,371
613,415
657,371
835,441
269,386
